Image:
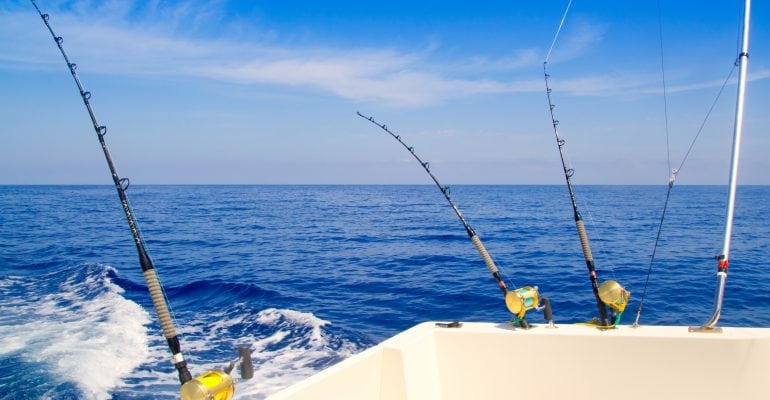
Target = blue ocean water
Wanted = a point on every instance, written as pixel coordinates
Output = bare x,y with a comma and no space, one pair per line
309,275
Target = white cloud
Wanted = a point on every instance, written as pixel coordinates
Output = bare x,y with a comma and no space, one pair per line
752,76
520,59
106,38
604,85
366,76
113,46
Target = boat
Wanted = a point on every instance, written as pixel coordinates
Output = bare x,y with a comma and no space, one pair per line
496,360
471,360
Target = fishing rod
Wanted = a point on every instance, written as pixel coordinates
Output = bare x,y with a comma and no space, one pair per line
609,293
210,382
579,224
518,301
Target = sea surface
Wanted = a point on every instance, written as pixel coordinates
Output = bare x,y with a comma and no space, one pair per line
306,276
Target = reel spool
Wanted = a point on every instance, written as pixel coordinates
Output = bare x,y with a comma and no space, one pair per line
614,295
212,385
521,300
216,384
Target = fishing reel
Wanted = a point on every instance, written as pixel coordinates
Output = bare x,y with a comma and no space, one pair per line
216,384
521,300
526,298
614,295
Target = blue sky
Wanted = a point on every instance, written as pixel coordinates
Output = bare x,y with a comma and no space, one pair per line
267,92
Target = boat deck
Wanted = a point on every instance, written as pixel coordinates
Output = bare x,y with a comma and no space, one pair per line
486,361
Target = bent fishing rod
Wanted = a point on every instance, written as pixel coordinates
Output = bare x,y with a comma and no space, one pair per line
157,295
519,300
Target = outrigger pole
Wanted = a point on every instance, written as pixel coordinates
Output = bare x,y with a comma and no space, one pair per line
211,382
723,258
519,300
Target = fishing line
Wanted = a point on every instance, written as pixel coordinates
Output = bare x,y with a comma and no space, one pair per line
558,30
673,172
672,177
663,80
519,300
708,114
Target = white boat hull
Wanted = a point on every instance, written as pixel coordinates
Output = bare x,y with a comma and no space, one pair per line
488,361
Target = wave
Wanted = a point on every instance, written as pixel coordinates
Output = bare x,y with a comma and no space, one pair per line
295,345
73,328
217,292
286,346
71,333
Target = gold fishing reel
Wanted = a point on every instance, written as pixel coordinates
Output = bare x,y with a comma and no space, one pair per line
521,300
212,385
216,384
614,295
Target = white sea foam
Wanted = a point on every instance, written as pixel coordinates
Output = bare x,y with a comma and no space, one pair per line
284,358
286,346
85,333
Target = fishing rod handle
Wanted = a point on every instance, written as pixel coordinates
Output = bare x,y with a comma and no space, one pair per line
591,270
166,324
153,285
584,240
484,254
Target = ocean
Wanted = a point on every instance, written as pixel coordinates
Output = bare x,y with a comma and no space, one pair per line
309,275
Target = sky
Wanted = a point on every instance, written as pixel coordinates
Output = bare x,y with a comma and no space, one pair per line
266,92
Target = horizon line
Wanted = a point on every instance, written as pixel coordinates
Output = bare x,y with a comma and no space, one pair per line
374,184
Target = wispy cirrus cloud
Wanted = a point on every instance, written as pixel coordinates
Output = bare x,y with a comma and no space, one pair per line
519,59
110,44
145,39
755,75
644,84
365,76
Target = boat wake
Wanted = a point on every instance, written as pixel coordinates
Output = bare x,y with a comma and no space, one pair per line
68,334
73,333
294,345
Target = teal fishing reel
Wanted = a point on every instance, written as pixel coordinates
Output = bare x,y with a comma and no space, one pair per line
521,300
526,298
216,384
